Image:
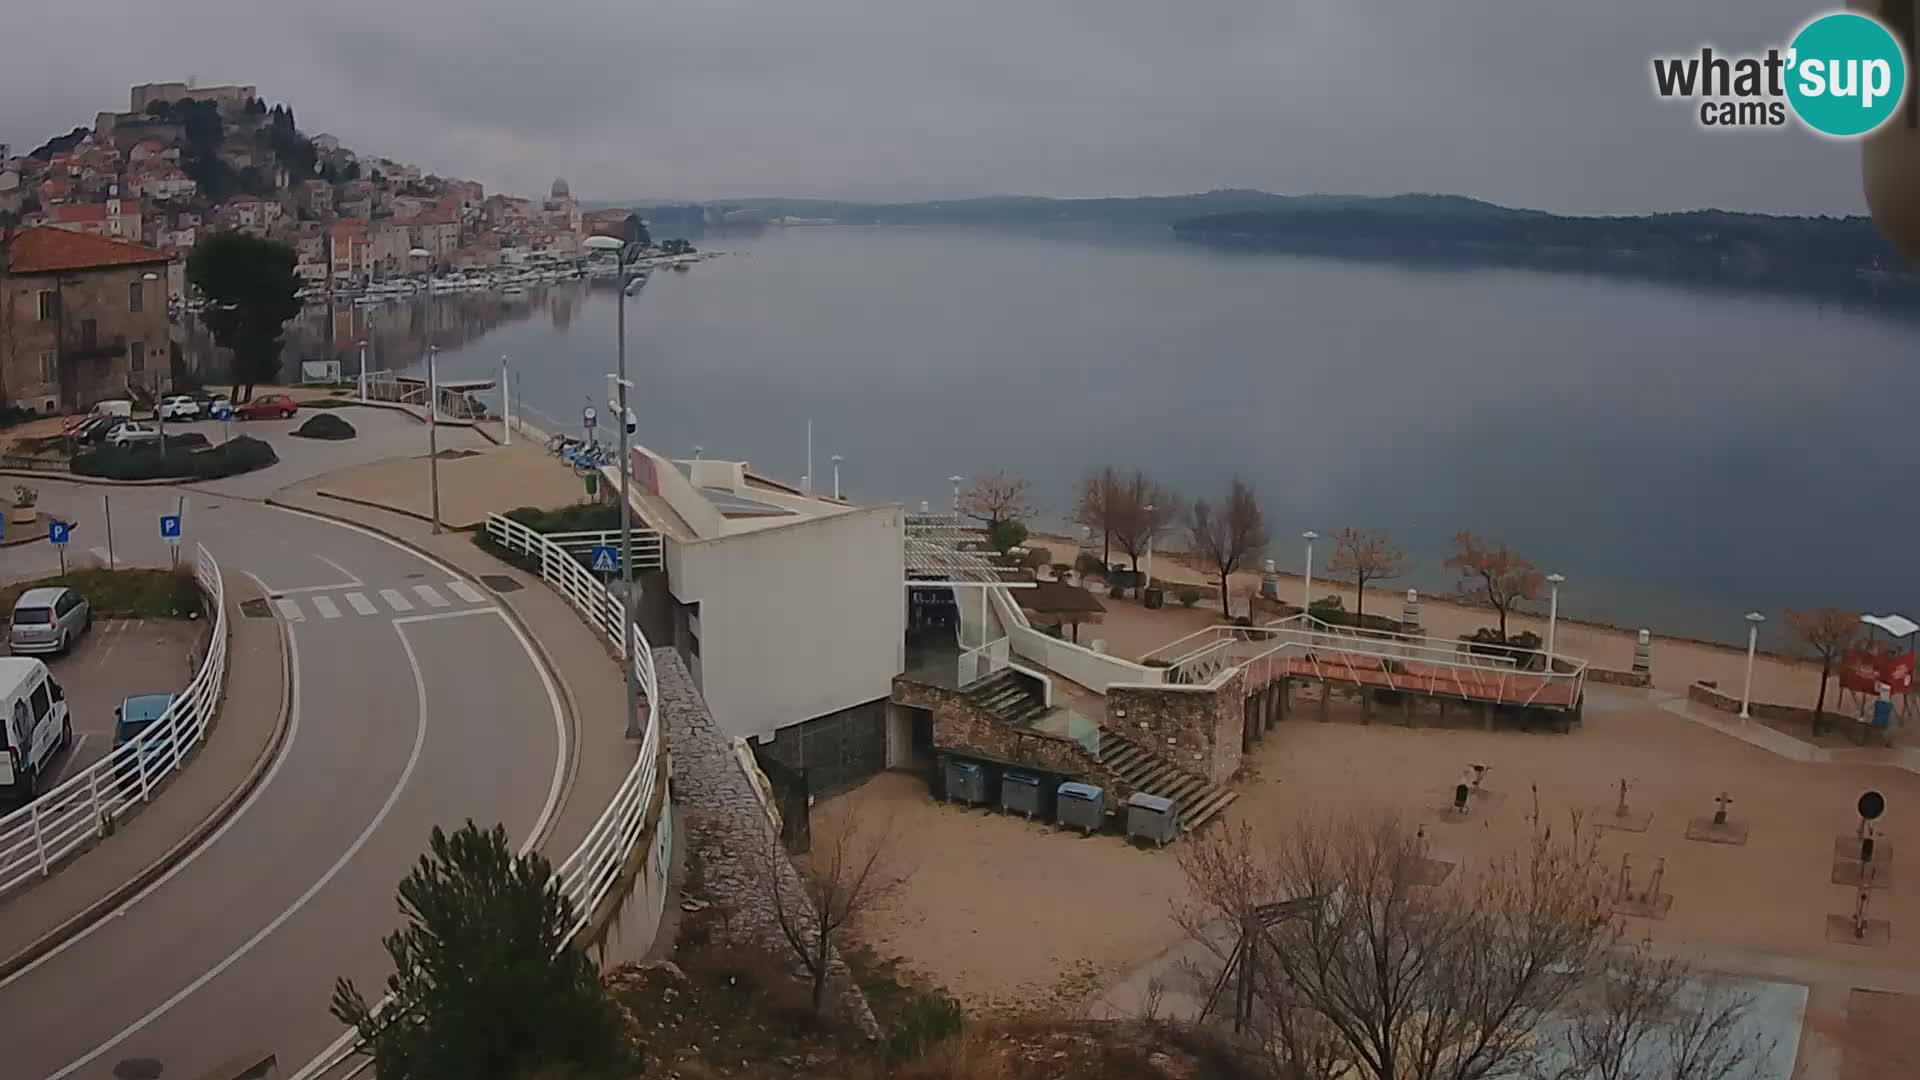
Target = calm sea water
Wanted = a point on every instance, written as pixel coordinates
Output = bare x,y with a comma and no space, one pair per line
1681,456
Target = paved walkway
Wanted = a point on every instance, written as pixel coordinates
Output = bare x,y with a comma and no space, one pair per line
215,779
473,482
590,678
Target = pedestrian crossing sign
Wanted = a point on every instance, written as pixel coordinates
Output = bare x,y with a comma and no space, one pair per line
605,559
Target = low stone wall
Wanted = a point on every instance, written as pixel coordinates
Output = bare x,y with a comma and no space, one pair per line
1197,729
1713,698
729,828
1610,677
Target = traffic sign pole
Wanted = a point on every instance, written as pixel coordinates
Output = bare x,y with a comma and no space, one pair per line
107,502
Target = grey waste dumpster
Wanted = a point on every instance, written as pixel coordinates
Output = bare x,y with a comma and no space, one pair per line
966,782
1081,806
1152,817
1020,794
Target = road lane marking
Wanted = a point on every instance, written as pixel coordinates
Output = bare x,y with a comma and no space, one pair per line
321,588
395,600
430,595
290,609
393,797
360,604
466,592
337,1052
324,605
286,749
352,578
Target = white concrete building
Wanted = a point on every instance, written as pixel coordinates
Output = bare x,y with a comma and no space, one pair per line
788,608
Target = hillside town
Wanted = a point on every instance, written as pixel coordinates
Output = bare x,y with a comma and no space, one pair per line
96,224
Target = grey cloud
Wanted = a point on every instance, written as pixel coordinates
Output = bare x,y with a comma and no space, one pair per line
1535,104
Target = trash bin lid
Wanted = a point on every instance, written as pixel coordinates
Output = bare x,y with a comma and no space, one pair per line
1021,778
1156,803
1073,789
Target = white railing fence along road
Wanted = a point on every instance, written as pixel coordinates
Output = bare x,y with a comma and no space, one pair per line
85,806
589,873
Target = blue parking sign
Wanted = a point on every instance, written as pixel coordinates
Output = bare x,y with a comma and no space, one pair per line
606,559
169,526
57,532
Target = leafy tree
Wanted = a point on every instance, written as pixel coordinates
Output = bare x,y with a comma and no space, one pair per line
1004,536
1827,633
1230,535
1495,575
1363,555
249,285
161,109
201,119
485,979
999,497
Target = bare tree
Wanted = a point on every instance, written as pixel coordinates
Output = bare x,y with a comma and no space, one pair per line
1354,965
1827,633
1141,510
1494,575
995,498
1363,555
848,872
1093,507
1229,536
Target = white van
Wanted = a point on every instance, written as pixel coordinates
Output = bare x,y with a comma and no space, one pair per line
120,407
35,725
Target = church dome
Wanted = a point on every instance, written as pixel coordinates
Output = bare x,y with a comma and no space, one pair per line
560,192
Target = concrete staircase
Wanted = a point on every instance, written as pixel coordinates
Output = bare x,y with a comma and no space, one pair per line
1008,697
1200,800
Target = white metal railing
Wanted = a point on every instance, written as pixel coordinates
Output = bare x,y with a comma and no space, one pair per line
1392,661
588,874
648,552
983,660
86,805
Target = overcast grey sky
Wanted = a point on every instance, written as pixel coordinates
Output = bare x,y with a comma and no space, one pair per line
1518,101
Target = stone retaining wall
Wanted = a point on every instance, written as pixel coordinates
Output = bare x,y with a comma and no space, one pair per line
1198,730
1610,677
727,824
1713,698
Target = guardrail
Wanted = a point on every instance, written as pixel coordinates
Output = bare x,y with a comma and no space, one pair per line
85,806
982,660
588,874
648,553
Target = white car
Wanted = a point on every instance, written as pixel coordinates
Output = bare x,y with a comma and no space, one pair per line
134,431
178,408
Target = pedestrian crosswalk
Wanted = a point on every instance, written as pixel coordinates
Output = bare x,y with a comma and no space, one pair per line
377,602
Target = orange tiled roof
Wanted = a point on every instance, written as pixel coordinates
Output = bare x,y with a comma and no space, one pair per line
46,250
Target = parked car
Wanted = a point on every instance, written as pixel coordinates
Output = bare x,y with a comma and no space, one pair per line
179,407
48,620
134,716
215,406
34,725
115,407
267,405
131,432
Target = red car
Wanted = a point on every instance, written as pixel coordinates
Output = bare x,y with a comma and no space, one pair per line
265,406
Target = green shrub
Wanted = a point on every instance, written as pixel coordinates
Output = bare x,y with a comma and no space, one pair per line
928,1019
1330,604
325,426
1189,596
580,517
1088,564
1005,535
244,454
1037,557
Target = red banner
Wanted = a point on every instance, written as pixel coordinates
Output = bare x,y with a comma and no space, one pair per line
1863,670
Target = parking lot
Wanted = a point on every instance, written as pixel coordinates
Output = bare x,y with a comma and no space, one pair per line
119,658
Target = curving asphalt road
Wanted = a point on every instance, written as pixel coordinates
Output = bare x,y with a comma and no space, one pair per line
416,703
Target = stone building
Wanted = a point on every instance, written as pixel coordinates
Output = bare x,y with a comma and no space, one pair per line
83,318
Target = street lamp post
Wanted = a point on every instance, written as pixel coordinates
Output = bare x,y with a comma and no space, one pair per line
621,385
837,459
956,479
1754,619
433,388
160,383
364,342
1554,582
1306,587
506,404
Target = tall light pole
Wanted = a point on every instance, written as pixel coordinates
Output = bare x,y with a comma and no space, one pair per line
160,384
837,459
433,388
1554,582
622,253
364,342
1306,587
506,404
1754,619
956,479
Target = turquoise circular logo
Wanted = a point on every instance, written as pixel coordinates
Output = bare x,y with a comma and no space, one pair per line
1846,74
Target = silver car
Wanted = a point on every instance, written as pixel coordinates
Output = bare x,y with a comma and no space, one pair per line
48,620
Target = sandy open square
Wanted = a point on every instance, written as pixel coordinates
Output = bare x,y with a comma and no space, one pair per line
1004,912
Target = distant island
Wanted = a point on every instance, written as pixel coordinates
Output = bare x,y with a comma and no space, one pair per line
1837,259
